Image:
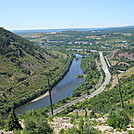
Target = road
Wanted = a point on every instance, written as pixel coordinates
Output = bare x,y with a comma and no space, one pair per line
107,77
96,92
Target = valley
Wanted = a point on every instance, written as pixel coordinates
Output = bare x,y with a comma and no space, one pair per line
105,88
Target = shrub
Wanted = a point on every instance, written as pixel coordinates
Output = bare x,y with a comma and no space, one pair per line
118,119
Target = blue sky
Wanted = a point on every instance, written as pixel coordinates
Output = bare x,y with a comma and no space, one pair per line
46,14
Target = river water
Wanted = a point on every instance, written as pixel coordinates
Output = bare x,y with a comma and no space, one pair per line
63,89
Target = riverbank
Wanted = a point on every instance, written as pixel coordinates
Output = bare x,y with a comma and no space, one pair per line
42,96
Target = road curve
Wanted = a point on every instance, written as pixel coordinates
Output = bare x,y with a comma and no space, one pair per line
107,77
96,92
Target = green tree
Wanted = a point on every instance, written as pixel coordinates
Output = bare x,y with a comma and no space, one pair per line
12,122
118,119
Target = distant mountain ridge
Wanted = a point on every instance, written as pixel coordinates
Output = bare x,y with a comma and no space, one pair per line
19,32
52,30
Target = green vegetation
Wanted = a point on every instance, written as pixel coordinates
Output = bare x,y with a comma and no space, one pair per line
80,76
35,122
37,125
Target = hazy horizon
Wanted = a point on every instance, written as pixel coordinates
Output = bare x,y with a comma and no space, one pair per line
72,28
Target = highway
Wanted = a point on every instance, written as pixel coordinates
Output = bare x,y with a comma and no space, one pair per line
96,92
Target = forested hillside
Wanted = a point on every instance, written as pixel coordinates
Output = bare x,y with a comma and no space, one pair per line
25,68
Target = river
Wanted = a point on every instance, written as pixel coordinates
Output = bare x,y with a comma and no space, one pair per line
63,89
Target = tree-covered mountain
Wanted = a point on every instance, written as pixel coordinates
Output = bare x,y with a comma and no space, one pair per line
24,69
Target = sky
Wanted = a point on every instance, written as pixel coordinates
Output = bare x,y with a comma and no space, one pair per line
55,14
